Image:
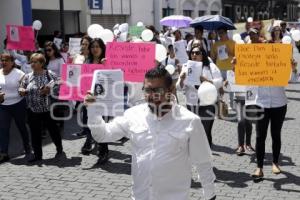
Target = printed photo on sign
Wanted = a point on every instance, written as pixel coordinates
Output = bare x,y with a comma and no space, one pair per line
193,72
57,42
14,34
251,93
73,75
222,52
108,88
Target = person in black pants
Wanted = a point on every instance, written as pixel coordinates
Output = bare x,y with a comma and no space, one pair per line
274,116
36,88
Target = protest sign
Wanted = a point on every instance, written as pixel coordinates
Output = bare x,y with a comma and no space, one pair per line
133,58
180,51
263,64
74,46
232,87
20,38
77,80
136,31
193,72
108,88
57,42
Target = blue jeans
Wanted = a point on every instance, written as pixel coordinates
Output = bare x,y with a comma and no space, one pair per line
18,113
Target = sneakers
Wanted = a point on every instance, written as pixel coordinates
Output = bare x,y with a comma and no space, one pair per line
35,159
87,148
3,158
240,151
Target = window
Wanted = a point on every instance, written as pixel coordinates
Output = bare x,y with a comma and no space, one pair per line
187,13
214,12
168,11
201,13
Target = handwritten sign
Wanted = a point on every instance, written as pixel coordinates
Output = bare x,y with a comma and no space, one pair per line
136,31
263,64
20,37
133,58
77,80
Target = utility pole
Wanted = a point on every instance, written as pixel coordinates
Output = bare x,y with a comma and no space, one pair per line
62,18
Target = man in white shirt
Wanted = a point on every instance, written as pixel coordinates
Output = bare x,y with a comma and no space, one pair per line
166,139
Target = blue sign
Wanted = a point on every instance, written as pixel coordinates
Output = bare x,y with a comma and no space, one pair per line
95,4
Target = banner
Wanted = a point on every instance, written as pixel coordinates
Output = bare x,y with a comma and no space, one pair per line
20,38
263,64
77,80
133,58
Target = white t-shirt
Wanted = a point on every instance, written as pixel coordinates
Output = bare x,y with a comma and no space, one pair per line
10,84
56,66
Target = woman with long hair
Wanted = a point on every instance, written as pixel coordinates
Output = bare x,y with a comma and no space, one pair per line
211,74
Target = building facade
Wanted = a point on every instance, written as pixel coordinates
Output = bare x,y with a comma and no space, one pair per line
240,10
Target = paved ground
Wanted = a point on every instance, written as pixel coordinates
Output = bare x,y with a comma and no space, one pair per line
77,176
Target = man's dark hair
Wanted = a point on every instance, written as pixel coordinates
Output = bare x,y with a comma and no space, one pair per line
160,73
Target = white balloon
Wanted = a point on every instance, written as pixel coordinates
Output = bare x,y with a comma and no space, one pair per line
116,32
296,35
37,25
170,69
140,24
116,27
123,37
249,19
207,93
160,52
107,35
94,31
147,35
236,37
123,28
286,40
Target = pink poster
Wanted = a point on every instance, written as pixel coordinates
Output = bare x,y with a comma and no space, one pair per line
133,58
20,37
77,80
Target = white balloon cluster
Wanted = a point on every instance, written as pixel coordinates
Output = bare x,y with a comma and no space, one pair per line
97,31
207,93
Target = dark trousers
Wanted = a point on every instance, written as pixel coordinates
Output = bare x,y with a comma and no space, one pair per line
276,117
102,147
18,113
207,115
244,125
36,123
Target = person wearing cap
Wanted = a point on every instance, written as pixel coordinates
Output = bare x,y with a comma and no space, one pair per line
284,30
276,35
199,36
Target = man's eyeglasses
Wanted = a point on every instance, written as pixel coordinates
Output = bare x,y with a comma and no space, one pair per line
197,53
159,90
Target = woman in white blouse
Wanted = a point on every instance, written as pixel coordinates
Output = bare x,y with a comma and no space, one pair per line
54,60
12,106
210,73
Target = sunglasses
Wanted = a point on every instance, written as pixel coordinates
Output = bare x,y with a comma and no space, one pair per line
48,50
197,53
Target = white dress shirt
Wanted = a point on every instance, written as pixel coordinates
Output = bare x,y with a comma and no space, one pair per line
191,93
271,97
163,150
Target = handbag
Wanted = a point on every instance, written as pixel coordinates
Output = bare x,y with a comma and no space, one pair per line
222,109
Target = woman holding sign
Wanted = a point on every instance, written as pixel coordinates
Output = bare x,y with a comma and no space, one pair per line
96,56
203,70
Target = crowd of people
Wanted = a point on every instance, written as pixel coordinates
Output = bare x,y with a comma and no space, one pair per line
30,81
